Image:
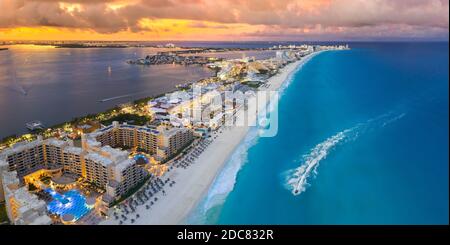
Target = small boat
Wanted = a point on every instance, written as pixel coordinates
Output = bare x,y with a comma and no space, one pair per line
33,125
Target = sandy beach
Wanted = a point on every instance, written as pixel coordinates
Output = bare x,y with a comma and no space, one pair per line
193,182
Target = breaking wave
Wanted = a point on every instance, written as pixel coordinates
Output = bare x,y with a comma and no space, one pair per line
290,77
224,183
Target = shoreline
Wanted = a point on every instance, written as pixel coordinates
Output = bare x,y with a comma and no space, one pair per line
275,84
193,183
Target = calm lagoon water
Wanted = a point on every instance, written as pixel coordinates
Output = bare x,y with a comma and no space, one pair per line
55,85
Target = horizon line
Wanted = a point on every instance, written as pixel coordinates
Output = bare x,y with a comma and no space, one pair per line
231,41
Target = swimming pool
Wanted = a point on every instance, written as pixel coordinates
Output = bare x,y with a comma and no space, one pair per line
140,157
72,202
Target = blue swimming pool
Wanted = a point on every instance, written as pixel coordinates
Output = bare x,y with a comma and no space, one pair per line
141,157
72,202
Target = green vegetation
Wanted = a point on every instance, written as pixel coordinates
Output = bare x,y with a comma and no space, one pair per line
12,139
107,117
3,216
77,142
130,192
252,84
31,187
45,179
144,101
141,150
90,117
9,139
127,117
94,186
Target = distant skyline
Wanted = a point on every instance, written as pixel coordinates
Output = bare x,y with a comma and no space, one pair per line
225,20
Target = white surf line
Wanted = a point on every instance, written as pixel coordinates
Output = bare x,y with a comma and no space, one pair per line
226,178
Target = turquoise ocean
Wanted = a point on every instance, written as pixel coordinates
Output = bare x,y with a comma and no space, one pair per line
362,139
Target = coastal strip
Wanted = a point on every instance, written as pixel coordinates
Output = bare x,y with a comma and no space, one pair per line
193,183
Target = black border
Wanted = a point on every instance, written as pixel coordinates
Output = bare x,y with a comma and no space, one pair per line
168,234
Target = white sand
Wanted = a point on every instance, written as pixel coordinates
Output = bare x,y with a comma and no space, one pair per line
193,183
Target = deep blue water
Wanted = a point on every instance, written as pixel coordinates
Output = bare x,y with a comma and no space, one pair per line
374,119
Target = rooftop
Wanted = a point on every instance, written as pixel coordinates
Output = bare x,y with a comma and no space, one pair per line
56,142
99,158
113,153
73,150
124,164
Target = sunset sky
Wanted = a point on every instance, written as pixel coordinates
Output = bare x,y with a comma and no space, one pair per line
229,20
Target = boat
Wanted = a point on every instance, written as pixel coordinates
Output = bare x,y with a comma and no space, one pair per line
33,125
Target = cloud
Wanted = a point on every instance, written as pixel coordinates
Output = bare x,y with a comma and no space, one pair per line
304,17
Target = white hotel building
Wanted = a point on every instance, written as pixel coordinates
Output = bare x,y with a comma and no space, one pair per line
96,161
163,142
22,207
110,169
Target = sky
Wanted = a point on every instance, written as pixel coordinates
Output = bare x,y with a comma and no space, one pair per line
224,20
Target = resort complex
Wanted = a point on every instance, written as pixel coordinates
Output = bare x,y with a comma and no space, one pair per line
205,121
92,172
43,166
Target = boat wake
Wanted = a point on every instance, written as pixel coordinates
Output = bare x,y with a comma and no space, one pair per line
225,181
227,177
297,178
122,96
15,86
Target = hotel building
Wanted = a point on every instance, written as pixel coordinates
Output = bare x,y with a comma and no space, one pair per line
108,168
26,158
172,140
163,142
125,136
126,178
96,162
22,207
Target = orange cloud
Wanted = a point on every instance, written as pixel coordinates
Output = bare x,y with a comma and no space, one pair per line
151,29
230,19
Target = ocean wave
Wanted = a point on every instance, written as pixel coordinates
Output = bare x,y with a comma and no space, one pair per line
224,182
226,179
296,180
